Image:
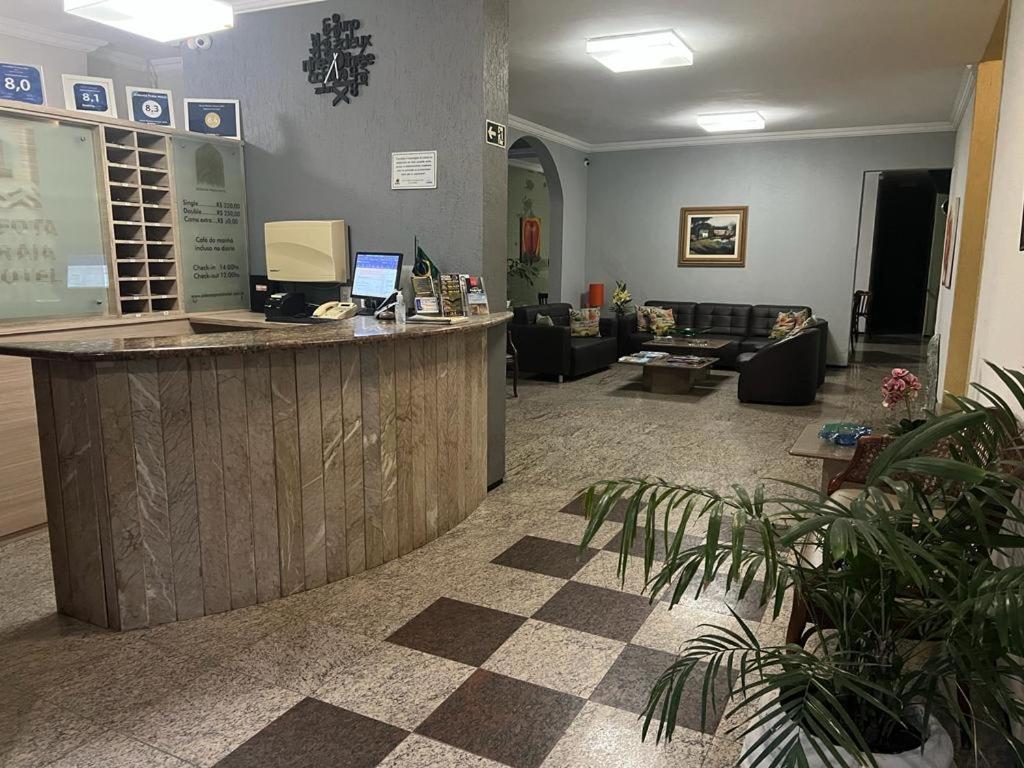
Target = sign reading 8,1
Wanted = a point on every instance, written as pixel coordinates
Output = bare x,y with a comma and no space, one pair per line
338,62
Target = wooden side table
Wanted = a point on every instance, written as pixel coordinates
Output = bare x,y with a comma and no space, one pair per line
834,458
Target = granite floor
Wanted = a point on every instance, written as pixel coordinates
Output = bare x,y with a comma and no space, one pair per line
499,644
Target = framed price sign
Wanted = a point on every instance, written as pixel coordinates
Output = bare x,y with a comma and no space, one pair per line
22,82
89,94
152,106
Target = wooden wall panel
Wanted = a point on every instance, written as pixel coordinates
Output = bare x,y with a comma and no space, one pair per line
311,463
452,446
288,472
352,412
115,408
46,412
144,387
81,524
85,379
475,414
447,493
388,452
181,487
182,504
373,489
262,477
333,434
432,391
234,436
404,449
206,440
416,443
21,478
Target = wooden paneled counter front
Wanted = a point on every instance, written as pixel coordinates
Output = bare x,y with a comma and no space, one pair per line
196,474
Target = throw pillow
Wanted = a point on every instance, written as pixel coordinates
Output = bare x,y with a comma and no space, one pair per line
643,319
585,322
785,324
544,320
657,320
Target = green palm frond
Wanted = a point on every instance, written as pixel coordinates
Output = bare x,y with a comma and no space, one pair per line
907,605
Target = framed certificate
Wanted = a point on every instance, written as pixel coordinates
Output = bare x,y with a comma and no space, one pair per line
214,117
89,94
152,106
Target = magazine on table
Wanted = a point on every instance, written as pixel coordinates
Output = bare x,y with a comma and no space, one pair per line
641,358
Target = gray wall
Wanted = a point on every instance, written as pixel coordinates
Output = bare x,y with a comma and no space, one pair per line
307,159
442,68
572,175
804,198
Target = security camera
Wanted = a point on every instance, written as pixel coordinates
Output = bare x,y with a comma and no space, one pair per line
201,43
586,161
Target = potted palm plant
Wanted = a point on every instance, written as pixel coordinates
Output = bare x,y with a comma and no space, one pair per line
910,624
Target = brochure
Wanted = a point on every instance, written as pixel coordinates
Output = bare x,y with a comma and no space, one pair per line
452,304
475,295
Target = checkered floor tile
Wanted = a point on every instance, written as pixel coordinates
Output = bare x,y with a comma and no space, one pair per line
532,676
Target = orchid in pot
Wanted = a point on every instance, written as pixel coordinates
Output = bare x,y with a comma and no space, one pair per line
907,622
901,386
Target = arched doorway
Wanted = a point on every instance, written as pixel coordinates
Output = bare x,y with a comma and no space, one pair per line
535,224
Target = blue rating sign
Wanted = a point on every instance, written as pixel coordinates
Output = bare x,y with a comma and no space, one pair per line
21,82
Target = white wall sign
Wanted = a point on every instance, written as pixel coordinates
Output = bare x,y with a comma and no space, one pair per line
414,170
89,94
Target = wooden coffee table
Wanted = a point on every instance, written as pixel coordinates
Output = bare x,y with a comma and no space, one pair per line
684,345
665,377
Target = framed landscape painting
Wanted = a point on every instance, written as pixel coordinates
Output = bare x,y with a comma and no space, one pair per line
713,236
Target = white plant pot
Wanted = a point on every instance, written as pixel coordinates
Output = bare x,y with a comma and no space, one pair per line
937,752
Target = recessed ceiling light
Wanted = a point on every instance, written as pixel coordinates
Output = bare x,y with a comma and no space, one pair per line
162,20
645,50
731,121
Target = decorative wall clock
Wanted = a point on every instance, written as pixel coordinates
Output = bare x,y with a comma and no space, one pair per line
338,62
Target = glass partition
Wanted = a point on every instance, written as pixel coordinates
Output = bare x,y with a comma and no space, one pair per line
52,261
210,190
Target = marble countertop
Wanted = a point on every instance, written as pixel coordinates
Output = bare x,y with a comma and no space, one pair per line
246,333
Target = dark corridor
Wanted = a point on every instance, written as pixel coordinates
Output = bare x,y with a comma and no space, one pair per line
902,250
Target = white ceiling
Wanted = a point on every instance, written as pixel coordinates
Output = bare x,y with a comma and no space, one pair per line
50,15
804,64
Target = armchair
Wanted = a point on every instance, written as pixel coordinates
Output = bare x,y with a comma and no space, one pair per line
784,373
553,350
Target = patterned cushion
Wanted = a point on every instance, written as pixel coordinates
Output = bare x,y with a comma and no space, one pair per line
789,322
656,320
585,322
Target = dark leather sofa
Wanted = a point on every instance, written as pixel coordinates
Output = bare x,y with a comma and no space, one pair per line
784,372
746,327
552,350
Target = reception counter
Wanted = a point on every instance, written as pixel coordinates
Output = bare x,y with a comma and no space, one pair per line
199,473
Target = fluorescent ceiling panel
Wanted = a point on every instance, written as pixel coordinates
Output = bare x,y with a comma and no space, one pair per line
645,50
731,121
162,20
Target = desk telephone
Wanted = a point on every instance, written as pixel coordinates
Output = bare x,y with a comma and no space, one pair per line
335,310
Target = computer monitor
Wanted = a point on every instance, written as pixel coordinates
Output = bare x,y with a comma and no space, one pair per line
376,275
307,251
